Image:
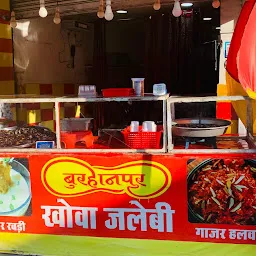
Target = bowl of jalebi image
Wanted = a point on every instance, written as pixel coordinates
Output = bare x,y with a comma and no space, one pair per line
223,191
15,193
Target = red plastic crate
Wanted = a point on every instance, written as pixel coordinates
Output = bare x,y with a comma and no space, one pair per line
117,92
143,140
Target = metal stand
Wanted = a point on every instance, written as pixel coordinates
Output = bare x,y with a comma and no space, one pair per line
209,141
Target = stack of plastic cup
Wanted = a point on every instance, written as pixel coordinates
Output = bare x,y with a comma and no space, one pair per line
134,127
87,91
138,86
149,126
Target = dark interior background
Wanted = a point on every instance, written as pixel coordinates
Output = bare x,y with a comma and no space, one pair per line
161,48
180,52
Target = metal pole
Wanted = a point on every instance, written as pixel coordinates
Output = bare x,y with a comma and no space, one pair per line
249,117
169,125
57,119
164,126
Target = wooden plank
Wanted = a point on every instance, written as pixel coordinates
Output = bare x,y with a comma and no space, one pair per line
174,99
147,97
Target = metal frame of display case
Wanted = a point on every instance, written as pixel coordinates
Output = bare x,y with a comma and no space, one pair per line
19,99
168,111
249,137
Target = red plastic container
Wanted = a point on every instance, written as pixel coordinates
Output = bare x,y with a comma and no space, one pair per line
143,140
117,92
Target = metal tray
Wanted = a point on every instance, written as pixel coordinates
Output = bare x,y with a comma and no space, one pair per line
220,129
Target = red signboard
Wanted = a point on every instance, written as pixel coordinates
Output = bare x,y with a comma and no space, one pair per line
130,196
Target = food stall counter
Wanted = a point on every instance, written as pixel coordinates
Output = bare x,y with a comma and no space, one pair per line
111,196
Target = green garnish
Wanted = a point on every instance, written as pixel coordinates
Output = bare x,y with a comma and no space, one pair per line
253,169
11,207
18,182
1,202
6,160
13,197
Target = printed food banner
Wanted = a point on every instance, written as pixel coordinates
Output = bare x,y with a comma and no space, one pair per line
130,196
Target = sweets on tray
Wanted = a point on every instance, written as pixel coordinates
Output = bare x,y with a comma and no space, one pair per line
27,135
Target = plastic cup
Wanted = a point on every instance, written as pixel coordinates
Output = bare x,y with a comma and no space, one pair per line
138,86
149,126
144,127
134,127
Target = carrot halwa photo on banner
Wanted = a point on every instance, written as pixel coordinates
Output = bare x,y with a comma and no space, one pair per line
222,191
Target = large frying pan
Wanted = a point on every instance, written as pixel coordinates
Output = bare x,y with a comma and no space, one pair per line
207,127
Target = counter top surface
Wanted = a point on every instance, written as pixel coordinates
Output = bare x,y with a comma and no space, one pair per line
48,98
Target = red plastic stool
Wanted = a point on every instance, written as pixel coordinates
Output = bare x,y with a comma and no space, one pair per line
70,139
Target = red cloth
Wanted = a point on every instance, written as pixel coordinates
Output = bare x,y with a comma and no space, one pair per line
246,58
237,38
